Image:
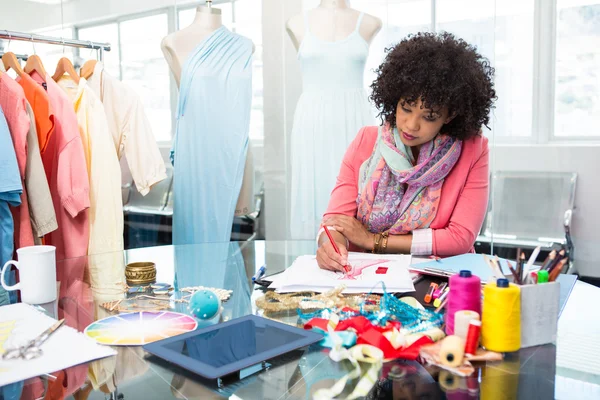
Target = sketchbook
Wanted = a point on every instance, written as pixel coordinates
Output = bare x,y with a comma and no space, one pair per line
368,271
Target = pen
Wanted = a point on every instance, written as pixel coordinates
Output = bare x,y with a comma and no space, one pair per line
496,261
549,260
337,250
557,260
518,266
521,267
260,273
558,269
516,277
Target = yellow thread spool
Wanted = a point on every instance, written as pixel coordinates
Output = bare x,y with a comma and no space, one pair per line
501,317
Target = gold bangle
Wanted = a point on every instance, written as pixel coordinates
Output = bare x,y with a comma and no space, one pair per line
384,242
377,243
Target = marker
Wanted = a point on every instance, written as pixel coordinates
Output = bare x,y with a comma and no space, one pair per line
438,302
534,277
432,287
542,276
441,307
260,273
438,292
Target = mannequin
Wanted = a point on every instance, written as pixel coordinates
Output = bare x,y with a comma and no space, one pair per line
213,70
332,21
332,41
177,46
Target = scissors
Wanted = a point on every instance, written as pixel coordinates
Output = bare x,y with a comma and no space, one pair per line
32,349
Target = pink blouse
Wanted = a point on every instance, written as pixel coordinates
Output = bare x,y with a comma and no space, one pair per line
462,205
12,101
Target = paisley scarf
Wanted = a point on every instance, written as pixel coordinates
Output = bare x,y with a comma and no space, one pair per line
396,196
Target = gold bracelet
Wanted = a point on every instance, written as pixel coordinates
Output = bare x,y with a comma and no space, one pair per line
376,244
384,241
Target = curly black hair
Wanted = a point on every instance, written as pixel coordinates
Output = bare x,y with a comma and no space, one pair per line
442,71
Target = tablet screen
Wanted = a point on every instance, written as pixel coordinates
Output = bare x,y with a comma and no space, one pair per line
232,343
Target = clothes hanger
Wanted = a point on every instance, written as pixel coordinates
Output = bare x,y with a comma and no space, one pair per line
9,59
34,63
65,65
87,69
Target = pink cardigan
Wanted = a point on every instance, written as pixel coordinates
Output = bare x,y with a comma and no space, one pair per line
463,201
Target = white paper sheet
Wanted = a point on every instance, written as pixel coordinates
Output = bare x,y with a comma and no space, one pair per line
20,323
367,271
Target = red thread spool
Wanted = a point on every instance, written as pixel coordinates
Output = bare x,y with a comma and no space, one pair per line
472,342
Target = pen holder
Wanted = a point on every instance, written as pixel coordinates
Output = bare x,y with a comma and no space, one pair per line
539,313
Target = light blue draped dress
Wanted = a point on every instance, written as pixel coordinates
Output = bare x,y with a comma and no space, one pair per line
209,148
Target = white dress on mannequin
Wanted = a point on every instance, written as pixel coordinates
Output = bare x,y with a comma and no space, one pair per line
330,112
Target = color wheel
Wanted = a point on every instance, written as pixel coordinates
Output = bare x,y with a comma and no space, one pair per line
139,328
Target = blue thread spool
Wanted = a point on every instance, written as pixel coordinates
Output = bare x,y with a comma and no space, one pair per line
205,304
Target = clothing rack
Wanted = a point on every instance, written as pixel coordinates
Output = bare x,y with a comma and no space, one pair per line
34,38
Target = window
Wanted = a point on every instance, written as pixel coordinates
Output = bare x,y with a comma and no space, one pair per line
146,71
577,83
108,33
502,31
395,27
248,22
137,60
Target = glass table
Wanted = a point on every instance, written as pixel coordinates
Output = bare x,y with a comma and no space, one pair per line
568,370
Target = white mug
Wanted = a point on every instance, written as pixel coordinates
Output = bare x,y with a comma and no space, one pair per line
37,274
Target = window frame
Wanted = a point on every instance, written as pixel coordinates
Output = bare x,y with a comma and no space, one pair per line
544,71
544,68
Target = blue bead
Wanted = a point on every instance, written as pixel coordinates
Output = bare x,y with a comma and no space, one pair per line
205,304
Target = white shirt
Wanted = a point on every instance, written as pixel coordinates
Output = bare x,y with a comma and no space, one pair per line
130,129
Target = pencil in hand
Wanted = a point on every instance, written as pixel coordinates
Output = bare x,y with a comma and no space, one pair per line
335,247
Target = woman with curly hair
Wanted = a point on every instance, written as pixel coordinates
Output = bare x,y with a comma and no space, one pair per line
419,183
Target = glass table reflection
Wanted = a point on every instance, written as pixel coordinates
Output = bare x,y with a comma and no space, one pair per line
568,369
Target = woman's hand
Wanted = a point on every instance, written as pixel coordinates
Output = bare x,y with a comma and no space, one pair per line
352,229
328,259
